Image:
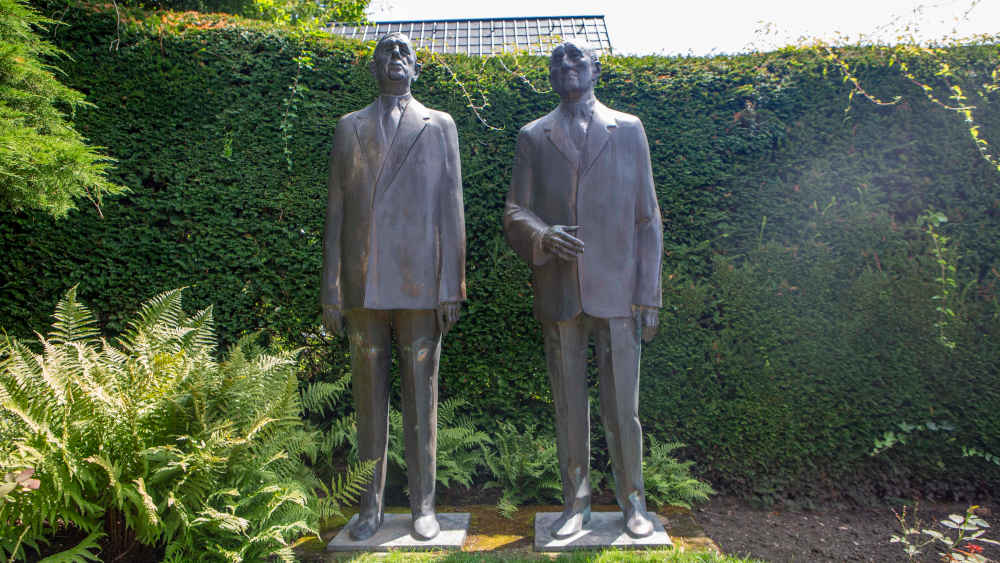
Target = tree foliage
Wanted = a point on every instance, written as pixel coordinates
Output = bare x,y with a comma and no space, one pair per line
293,12
44,162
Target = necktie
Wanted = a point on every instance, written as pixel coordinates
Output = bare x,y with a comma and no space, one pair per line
390,120
578,129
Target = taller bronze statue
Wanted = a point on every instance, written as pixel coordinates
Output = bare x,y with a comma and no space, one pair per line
394,261
582,212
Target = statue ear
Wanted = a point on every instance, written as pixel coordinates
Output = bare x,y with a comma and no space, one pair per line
372,68
597,70
416,72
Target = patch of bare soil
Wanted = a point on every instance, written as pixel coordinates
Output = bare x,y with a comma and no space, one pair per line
828,534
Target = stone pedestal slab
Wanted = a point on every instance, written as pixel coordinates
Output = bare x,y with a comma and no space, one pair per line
395,534
605,529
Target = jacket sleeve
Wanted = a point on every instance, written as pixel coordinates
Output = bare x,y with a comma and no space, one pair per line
649,229
521,226
451,228
330,293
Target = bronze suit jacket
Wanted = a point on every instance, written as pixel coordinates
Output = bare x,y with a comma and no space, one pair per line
395,226
606,189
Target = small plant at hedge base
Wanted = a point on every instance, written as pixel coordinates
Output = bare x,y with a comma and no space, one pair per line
335,434
668,481
345,487
964,547
906,430
524,466
460,445
154,442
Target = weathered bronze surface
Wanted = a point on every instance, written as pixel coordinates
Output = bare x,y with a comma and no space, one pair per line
394,261
582,212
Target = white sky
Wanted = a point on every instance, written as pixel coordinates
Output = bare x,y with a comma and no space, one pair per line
703,27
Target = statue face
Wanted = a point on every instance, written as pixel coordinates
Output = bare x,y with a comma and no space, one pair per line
571,70
394,64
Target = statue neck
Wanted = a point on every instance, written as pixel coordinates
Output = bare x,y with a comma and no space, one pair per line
581,106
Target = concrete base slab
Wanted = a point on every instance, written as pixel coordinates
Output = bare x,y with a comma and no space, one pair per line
395,534
605,529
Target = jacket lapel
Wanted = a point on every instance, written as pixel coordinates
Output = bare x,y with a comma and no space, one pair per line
602,125
366,130
556,131
411,125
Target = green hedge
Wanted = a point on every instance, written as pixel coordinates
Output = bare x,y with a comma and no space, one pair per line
798,324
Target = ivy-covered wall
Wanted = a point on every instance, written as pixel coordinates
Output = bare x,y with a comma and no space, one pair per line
799,323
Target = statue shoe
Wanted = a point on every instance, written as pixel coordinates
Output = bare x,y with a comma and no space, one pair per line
638,524
425,526
365,526
570,522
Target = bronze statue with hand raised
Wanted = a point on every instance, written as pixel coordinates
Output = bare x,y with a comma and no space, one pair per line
582,211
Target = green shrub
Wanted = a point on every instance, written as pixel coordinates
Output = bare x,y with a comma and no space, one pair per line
460,445
669,482
150,440
524,466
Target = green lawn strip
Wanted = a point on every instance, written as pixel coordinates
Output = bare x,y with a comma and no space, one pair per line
603,556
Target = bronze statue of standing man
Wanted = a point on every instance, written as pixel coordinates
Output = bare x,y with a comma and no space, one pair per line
394,261
583,213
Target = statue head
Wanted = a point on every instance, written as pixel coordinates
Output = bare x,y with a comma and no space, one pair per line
394,64
573,69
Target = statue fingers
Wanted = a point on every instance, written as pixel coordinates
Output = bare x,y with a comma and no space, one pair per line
570,241
649,332
442,323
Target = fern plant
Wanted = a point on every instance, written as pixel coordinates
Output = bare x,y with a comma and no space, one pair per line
334,434
524,466
153,442
668,481
460,445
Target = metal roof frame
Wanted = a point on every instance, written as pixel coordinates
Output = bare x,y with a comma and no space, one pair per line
488,36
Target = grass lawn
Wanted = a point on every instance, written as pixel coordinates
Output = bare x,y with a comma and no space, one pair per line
606,556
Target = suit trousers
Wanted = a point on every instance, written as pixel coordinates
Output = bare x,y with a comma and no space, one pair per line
617,344
418,339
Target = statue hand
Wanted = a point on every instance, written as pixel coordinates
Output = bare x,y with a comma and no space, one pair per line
447,315
557,241
333,319
647,321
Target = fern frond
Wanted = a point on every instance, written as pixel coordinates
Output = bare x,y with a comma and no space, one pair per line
268,363
152,519
83,552
507,505
163,309
223,520
21,370
73,320
669,481
112,472
321,397
37,425
57,370
202,335
344,489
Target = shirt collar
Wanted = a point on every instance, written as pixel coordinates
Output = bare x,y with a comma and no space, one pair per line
386,101
582,109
